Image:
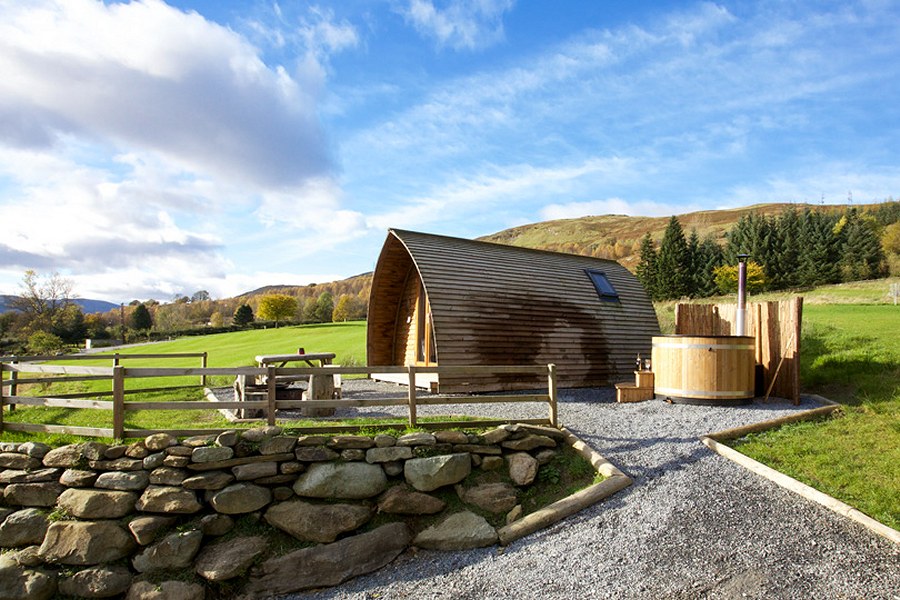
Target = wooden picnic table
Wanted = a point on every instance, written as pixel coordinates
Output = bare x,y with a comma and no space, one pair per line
323,358
320,387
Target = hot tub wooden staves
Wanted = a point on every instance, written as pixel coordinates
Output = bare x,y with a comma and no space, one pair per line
446,301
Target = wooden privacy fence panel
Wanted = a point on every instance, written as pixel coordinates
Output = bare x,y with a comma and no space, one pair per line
270,404
774,325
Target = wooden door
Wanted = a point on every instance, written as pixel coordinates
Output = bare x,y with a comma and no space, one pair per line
425,351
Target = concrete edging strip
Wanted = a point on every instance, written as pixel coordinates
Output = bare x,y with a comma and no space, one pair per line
559,510
713,442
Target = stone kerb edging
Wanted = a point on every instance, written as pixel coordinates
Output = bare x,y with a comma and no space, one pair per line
559,510
713,441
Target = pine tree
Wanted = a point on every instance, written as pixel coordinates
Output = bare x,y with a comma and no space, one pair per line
646,268
673,263
784,265
141,319
693,259
820,249
243,315
862,256
710,257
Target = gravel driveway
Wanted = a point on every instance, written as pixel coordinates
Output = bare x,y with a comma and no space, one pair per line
693,525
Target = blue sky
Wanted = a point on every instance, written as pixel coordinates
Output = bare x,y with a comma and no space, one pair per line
149,150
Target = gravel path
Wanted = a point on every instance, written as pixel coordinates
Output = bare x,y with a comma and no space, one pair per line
693,525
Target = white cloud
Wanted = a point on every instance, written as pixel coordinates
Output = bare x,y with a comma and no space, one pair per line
831,183
140,144
310,217
501,187
147,75
323,35
459,24
71,218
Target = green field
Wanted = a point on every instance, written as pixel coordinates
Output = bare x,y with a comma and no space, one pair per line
345,340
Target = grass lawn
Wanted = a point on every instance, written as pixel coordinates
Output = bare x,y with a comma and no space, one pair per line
850,354
345,340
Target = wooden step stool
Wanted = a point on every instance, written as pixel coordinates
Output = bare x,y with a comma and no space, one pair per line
641,389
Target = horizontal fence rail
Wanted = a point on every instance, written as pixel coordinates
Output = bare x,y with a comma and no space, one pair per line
267,402
31,364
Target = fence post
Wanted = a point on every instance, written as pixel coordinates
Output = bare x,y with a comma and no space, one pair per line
119,402
203,363
551,391
270,395
13,387
2,402
412,395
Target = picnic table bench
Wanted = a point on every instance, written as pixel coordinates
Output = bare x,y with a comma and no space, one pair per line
320,387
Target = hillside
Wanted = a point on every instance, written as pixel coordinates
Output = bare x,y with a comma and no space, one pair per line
607,236
619,236
86,304
358,285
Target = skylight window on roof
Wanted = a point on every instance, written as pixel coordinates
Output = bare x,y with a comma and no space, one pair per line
604,288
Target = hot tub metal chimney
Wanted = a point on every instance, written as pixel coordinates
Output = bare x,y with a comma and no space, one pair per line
741,324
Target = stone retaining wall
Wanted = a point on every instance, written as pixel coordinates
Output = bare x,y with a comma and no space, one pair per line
91,520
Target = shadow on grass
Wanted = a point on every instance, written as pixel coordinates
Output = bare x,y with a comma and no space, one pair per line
845,374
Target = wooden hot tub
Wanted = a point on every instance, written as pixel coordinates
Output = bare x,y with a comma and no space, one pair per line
713,369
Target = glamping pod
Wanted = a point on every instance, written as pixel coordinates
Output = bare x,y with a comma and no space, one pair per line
446,301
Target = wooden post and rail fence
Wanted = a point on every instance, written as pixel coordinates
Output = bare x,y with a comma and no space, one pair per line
118,374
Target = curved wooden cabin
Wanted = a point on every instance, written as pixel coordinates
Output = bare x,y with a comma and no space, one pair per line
449,301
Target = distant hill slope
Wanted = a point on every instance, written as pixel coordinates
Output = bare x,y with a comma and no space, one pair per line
619,236
86,304
355,285
608,236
